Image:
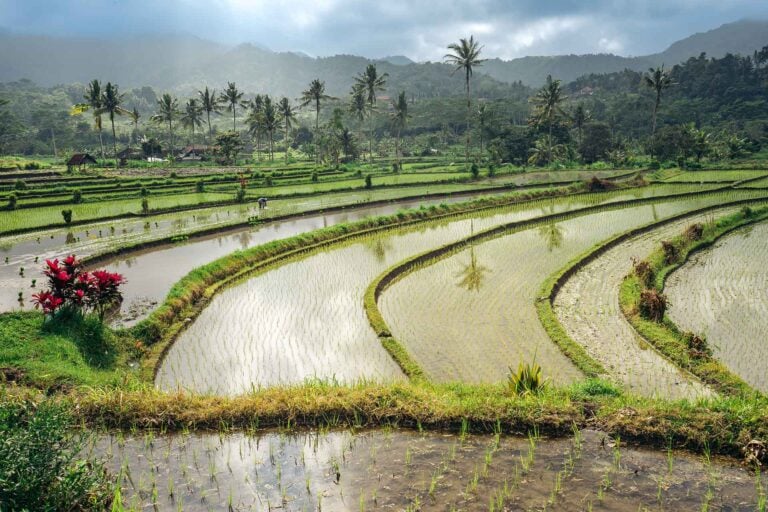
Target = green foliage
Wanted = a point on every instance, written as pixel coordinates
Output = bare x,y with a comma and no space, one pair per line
368,181
527,380
13,199
200,186
77,196
228,145
596,142
67,216
40,460
475,170
20,185
240,195
144,205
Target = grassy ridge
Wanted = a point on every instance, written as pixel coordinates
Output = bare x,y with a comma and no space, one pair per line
665,336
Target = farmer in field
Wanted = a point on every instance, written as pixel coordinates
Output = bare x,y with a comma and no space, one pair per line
262,203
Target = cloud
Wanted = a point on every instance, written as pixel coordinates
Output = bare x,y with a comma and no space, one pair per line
420,29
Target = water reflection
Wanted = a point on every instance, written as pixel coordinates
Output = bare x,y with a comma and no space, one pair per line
553,235
473,274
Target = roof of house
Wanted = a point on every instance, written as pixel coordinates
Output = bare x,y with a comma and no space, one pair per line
130,152
80,159
195,148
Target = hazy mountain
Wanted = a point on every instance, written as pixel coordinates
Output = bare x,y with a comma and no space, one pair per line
185,63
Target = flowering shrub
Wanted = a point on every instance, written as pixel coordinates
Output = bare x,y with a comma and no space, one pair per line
72,288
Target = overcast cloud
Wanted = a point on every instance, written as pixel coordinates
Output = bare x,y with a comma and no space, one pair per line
419,29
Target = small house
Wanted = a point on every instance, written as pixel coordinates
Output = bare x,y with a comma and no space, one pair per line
80,161
195,152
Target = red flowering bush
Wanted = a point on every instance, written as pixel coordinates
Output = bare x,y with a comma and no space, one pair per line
72,288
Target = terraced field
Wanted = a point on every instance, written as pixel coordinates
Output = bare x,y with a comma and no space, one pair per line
721,294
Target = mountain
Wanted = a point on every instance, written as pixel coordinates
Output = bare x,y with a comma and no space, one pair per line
183,64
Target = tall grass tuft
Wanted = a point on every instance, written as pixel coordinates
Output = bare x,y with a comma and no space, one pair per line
527,380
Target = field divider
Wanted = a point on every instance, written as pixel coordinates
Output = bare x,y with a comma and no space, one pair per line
553,284
573,350
665,336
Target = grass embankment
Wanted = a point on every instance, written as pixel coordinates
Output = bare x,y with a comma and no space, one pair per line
665,335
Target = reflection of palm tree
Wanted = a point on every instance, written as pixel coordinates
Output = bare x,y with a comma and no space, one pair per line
654,212
379,247
473,274
553,235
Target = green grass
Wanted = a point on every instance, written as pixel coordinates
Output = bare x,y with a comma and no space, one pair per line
665,336
69,355
714,175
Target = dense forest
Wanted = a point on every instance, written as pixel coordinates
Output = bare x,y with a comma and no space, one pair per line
721,101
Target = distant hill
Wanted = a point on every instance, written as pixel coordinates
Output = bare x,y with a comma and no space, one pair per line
183,64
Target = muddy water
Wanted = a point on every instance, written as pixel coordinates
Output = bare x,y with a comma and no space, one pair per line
484,319
305,319
720,293
588,307
403,470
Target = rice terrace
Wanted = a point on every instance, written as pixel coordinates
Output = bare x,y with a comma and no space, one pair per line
514,270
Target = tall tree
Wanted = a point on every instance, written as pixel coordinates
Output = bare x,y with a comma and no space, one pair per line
192,117
255,121
547,110
232,96
135,115
579,118
210,105
270,122
92,102
112,105
315,94
484,116
368,83
167,112
657,79
399,117
465,55
287,116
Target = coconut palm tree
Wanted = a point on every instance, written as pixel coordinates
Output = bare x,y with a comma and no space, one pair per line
192,117
368,83
210,105
547,110
111,104
135,115
399,118
167,112
657,79
255,120
579,118
270,122
231,96
92,102
484,116
465,55
315,94
287,115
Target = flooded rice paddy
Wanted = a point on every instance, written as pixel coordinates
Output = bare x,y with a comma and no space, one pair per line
720,293
305,319
391,469
471,316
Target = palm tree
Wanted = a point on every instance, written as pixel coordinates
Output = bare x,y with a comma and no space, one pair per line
270,122
368,84
657,79
210,105
579,118
399,118
93,103
287,115
465,56
231,96
135,118
167,112
315,94
547,109
347,141
484,117
192,117
255,121
111,104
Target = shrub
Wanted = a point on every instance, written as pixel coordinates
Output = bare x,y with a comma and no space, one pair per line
12,200
653,305
67,215
746,212
694,232
72,289
527,379
491,170
644,272
240,195
174,175
268,181
396,167
144,192
20,185
697,346
368,181
598,185
40,465
77,196
475,170
144,206
671,253
200,186
314,177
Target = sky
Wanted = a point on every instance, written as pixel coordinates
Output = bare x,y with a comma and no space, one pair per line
419,29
